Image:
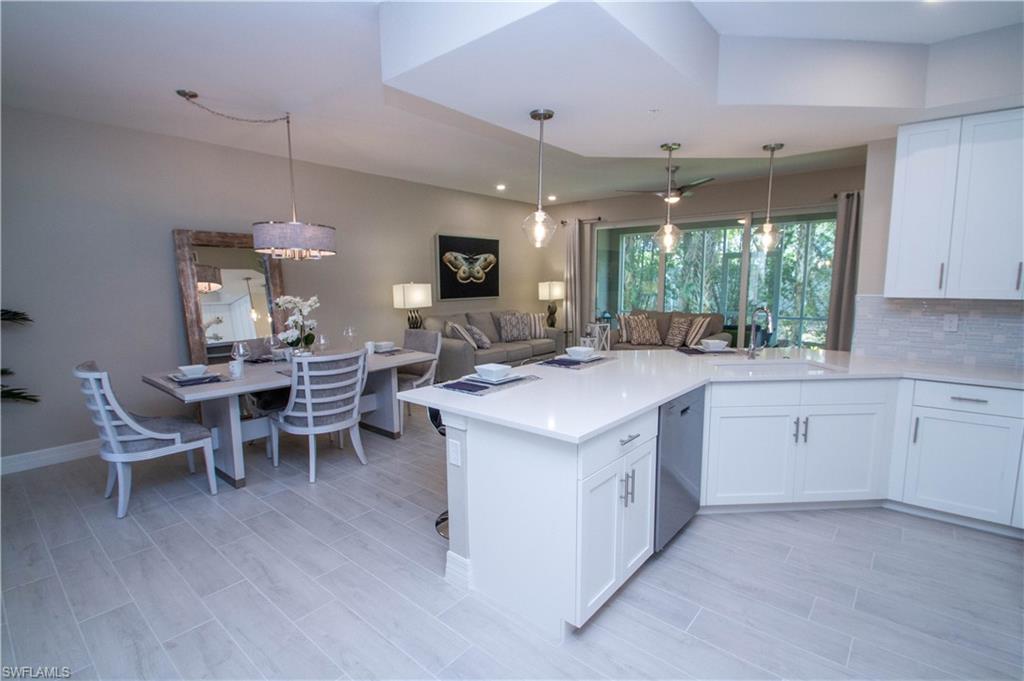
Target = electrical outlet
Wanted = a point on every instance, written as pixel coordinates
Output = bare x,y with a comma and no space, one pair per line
950,322
454,453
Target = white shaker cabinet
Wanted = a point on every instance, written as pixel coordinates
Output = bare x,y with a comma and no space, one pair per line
964,463
841,455
751,452
616,526
985,256
924,185
956,227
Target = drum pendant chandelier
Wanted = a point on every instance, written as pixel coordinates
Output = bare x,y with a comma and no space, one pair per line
293,240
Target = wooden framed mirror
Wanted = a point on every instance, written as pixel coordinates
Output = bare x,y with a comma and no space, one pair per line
234,302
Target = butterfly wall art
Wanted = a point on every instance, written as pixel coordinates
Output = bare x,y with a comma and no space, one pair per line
467,267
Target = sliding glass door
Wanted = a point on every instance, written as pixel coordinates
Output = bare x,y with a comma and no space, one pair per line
705,273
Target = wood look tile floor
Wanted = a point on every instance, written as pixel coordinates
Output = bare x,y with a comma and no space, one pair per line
344,579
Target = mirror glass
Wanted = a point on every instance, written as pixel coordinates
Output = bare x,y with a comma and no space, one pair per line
239,309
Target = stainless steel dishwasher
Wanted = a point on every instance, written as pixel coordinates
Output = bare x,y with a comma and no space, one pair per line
680,448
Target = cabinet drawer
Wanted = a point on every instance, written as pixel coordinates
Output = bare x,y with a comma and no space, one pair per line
755,394
846,391
972,398
601,450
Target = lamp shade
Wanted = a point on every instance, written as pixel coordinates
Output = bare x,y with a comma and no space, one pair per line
411,296
208,278
293,240
551,290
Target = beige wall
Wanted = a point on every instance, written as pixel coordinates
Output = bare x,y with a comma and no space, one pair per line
86,235
874,242
803,189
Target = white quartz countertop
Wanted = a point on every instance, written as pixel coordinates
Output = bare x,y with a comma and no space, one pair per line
575,405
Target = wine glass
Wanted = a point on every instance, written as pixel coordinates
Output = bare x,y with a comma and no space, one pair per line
348,338
240,350
322,342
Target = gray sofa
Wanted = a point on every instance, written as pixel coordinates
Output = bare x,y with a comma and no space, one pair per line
714,330
458,357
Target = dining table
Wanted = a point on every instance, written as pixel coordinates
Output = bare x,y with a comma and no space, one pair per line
221,410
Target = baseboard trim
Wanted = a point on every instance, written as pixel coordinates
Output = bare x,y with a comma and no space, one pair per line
983,525
16,463
458,571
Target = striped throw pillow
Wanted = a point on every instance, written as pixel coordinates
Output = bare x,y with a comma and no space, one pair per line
514,327
643,330
479,337
678,331
624,325
698,330
538,322
459,332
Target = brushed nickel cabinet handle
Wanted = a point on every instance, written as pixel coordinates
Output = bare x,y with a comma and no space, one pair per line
625,491
942,272
626,440
1020,270
632,486
975,400
807,425
796,429
917,422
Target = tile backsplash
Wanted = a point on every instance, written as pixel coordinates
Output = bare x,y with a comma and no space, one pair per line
990,333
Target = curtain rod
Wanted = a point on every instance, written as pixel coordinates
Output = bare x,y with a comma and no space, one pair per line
597,219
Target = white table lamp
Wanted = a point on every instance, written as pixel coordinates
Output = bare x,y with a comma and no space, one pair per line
551,291
412,297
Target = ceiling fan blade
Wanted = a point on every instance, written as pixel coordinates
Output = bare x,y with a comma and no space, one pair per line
696,183
641,191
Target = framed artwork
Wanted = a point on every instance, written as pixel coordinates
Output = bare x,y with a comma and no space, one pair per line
467,267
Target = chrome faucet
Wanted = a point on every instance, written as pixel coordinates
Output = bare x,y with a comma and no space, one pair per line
752,350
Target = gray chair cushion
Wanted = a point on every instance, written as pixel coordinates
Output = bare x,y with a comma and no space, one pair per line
189,430
485,322
407,380
541,346
496,353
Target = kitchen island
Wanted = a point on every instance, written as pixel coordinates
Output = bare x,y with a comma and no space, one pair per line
551,482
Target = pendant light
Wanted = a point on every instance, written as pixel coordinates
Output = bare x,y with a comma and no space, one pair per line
253,314
668,235
291,240
769,237
538,226
208,278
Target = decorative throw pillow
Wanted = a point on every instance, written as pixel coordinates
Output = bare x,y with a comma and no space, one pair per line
538,322
643,330
698,330
515,327
624,326
459,332
678,330
479,337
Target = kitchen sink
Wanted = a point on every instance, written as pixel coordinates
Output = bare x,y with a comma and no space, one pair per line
762,368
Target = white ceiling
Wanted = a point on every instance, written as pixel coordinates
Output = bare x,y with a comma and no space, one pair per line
459,118
879,21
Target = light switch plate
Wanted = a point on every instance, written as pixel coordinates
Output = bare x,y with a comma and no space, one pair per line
454,453
950,322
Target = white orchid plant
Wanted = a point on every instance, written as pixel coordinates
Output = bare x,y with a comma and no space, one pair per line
299,328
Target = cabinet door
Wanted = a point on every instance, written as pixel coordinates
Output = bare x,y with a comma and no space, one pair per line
924,185
840,453
1018,503
601,500
985,258
964,463
638,513
750,452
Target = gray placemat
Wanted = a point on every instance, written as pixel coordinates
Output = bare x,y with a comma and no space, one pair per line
569,363
487,389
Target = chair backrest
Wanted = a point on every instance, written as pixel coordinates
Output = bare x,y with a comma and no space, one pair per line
424,341
325,390
116,426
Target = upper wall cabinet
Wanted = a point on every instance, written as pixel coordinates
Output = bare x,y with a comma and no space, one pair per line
957,228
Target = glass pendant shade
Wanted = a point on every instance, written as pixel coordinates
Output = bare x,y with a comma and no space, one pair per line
668,237
539,228
769,237
208,278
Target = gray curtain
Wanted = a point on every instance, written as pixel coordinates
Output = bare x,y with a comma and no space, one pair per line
579,278
844,272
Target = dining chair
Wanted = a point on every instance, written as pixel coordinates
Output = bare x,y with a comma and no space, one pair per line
126,437
418,375
324,399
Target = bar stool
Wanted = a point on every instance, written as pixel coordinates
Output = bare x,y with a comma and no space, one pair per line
441,524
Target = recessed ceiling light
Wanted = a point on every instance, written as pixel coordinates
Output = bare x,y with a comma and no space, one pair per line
742,221
500,187
552,197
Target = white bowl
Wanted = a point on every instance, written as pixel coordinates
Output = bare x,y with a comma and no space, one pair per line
193,370
492,372
383,346
579,352
709,344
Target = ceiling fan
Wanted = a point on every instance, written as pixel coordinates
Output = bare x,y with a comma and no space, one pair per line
672,193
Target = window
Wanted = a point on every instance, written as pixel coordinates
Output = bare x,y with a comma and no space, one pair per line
703,273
